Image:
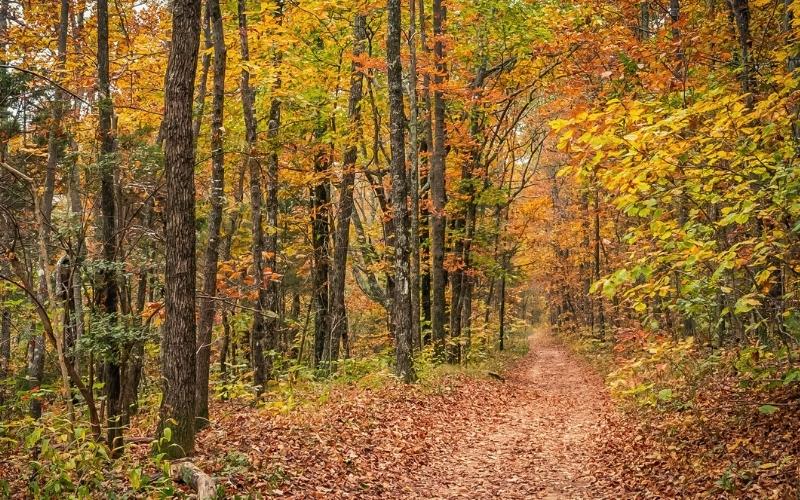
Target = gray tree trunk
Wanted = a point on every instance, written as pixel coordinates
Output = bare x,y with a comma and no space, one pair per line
401,306
257,334
217,195
437,188
414,279
107,296
344,212
320,230
178,346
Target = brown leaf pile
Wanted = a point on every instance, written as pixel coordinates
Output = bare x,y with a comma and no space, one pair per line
361,442
721,446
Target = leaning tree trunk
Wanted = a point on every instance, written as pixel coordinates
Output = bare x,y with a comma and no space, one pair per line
401,306
344,212
217,195
178,345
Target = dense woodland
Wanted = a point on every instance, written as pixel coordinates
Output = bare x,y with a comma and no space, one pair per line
203,203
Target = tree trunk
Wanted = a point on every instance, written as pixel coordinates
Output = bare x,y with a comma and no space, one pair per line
600,308
132,375
5,342
257,351
107,296
205,64
414,279
741,15
466,276
76,211
178,346
320,230
437,188
344,212
401,306
644,20
217,195
271,322
425,145
502,298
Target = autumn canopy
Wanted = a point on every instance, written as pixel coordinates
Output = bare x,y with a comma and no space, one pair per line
226,211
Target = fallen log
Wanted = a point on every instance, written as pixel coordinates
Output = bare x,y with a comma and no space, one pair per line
190,474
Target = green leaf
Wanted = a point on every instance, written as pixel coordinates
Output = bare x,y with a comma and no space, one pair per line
135,477
746,304
767,409
792,376
33,438
665,395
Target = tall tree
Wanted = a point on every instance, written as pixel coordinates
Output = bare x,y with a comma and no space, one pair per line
257,334
344,212
5,341
320,230
273,296
178,345
107,296
413,128
437,186
426,143
217,198
401,305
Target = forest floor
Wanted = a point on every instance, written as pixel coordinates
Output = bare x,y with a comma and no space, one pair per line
536,434
545,427
542,444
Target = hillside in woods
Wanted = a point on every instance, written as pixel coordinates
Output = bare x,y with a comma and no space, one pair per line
399,248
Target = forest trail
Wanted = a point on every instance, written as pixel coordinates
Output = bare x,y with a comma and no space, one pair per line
543,445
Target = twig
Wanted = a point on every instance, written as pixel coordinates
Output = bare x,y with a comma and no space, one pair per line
49,80
16,172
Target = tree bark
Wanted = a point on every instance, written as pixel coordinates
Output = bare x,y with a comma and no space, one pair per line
5,342
178,346
401,306
502,299
437,187
344,212
320,230
107,296
217,196
414,279
272,305
600,308
425,146
205,64
257,351
741,15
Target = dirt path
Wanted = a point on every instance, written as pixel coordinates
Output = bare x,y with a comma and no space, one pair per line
542,445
